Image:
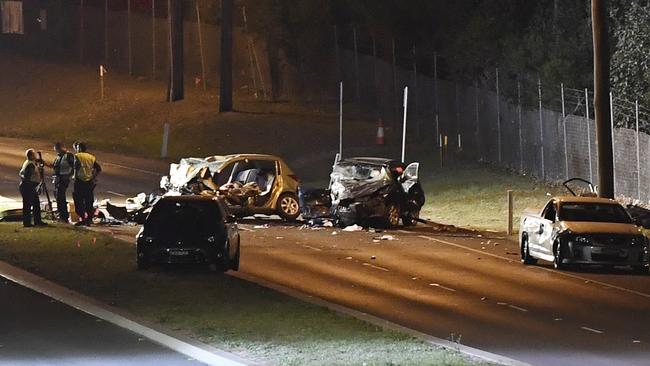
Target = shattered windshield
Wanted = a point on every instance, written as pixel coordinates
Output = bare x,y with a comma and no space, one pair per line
357,172
594,212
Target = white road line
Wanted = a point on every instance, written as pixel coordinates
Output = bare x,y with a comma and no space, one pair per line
404,232
623,289
6,199
518,308
313,248
592,330
376,267
133,169
442,287
246,229
116,194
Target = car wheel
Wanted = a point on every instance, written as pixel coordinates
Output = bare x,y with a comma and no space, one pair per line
644,270
558,257
411,219
526,258
234,265
392,215
288,207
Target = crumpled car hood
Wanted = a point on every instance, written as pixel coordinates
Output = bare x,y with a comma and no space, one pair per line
187,169
351,189
600,228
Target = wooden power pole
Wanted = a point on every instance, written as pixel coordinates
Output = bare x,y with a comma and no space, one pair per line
601,98
225,77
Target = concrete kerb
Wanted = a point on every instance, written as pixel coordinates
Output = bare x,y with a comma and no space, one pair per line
196,350
439,342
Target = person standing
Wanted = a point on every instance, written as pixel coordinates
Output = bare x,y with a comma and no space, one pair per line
86,170
30,178
63,168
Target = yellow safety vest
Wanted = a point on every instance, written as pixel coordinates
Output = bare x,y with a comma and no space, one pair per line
87,164
36,177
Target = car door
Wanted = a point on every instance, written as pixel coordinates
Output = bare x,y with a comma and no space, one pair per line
410,176
545,234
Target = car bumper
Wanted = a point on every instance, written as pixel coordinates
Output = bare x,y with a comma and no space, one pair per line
610,256
181,255
359,212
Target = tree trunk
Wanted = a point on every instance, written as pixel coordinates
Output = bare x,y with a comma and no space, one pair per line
225,92
175,89
601,99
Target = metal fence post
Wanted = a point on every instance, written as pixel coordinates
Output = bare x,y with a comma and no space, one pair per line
566,153
478,121
519,117
591,172
611,115
541,127
638,153
498,116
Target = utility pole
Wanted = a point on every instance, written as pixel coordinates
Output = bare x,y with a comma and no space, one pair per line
225,77
601,95
175,90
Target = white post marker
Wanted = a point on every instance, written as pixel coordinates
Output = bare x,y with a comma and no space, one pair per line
341,119
406,99
165,141
102,72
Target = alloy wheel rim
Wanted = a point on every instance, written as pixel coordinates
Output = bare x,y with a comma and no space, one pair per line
394,215
289,206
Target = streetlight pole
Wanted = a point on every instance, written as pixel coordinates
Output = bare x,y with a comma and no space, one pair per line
601,95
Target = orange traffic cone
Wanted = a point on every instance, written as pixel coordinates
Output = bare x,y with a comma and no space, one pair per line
380,132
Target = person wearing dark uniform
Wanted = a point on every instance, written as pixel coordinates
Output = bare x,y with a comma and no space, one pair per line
30,179
63,167
86,170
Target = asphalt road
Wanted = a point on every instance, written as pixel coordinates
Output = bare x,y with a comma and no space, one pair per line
35,330
449,284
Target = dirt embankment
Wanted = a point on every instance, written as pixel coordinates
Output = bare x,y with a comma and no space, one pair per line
62,102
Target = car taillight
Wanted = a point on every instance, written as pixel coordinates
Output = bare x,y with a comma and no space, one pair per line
294,177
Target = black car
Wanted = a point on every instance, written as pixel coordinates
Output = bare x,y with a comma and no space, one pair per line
368,191
189,229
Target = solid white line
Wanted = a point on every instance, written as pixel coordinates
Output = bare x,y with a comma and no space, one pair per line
7,199
442,287
116,194
246,229
200,352
376,267
643,294
518,308
592,330
133,169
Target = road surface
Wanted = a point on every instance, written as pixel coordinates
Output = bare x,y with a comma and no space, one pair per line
468,287
35,330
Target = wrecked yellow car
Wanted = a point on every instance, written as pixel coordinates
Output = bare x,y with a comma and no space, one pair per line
250,183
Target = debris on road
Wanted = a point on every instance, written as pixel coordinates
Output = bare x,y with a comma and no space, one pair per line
353,228
386,237
265,226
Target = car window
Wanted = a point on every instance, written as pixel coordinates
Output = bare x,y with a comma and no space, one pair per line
550,212
184,219
594,212
223,177
358,172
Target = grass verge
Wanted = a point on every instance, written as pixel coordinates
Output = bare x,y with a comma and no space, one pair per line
473,195
227,312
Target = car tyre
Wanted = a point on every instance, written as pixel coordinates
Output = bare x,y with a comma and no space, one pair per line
411,219
526,258
392,217
234,265
288,207
558,257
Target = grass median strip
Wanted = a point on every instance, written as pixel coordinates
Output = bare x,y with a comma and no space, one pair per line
229,313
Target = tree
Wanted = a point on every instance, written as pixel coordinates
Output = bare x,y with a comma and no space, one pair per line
225,86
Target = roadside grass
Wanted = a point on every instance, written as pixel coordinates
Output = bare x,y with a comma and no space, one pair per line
227,312
473,195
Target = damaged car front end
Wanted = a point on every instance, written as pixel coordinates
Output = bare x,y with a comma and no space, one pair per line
367,191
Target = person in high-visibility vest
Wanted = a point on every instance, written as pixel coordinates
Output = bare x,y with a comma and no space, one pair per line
30,178
86,170
63,167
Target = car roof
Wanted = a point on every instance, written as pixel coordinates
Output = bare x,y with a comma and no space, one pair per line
244,156
368,161
578,199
